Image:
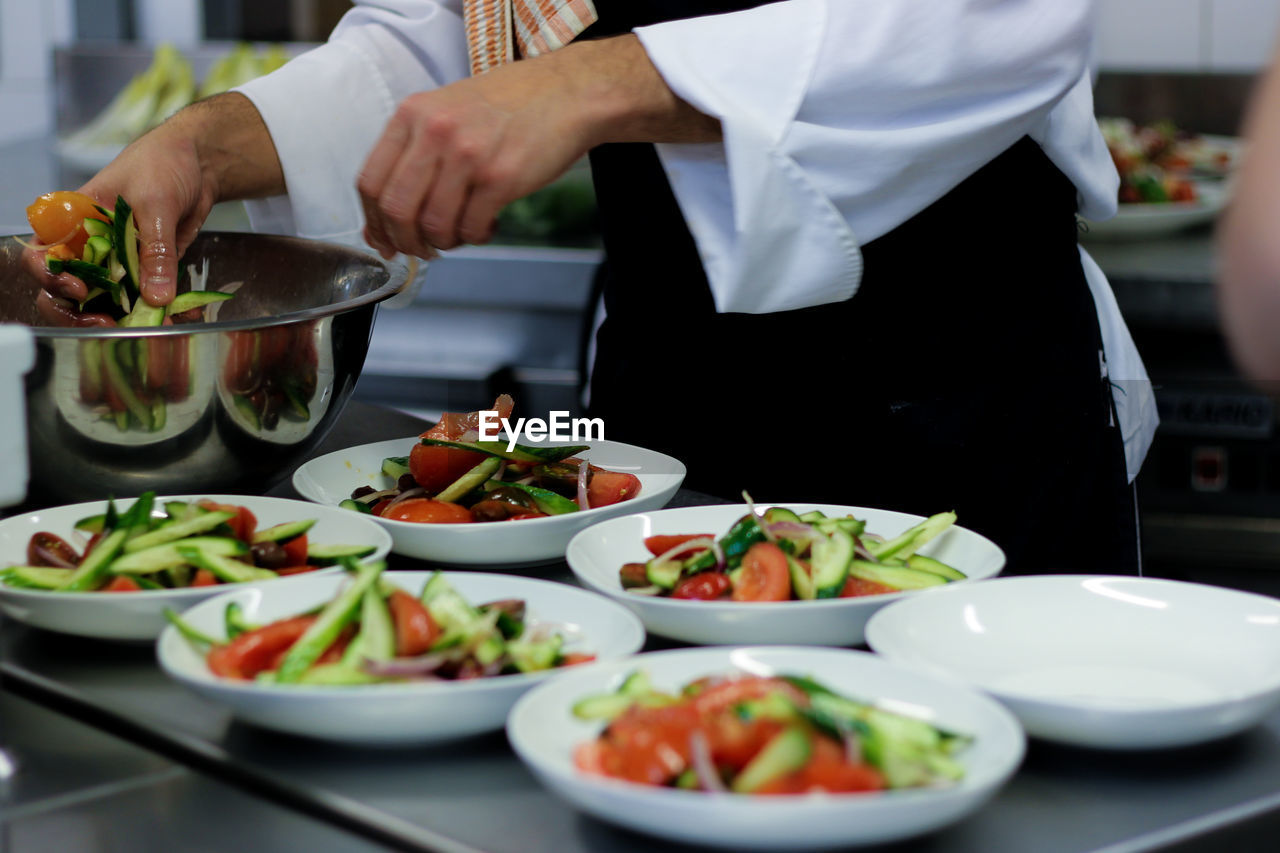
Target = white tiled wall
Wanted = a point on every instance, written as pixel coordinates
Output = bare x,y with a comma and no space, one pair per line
1186,35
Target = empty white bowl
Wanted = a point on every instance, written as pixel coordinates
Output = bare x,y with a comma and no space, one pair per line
393,714
596,554
544,733
1100,661
331,478
140,615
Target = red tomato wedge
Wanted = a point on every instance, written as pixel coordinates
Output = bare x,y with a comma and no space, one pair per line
704,586
122,583
610,487
428,511
435,468
295,550
204,577
255,651
58,217
415,629
662,543
765,575
854,587
243,524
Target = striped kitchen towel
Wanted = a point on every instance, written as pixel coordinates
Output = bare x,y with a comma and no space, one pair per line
496,29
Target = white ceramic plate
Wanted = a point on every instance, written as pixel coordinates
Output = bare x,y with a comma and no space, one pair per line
394,714
1111,662
331,478
140,615
596,554
544,734
1140,221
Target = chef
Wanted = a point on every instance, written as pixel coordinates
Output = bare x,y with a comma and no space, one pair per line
841,235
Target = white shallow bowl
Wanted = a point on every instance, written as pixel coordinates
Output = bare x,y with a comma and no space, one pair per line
140,615
596,554
394,714
544,733
1143,221
1109,662
331,478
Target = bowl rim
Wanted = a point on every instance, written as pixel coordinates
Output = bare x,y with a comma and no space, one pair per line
394,523
398,272
207,680
1030,702
992,708
586,576
384,549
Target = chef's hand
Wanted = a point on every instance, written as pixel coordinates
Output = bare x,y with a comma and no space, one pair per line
451,158
172,176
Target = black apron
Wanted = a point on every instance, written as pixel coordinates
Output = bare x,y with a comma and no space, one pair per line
965,373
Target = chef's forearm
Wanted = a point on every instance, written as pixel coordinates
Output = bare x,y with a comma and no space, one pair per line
627,98
234,146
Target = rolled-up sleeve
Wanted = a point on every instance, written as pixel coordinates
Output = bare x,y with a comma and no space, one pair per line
844,118
326,108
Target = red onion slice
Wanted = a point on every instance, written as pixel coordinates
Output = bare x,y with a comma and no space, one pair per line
374,497
759,517
862,552
583,470
404,496
703,767
401,667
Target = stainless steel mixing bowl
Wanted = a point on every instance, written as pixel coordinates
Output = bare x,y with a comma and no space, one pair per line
231,405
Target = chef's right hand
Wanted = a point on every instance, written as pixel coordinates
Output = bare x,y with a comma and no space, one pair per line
161,176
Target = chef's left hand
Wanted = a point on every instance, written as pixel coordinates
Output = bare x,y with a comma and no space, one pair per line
451,158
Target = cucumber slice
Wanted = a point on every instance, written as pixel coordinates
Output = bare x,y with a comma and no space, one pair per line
787,752
534,657
174,530
223,568
801,580
395,467
377,632
831,558
284,531
161,557
233,618
127,241
921,563
92,523
547,500
811,517
196,299
327,555
97,228
336,615
602,706
470,480
95,565
911,540
194,635
636,684
337,675
665,575
520,453
355,506
36,577
779,513
898,577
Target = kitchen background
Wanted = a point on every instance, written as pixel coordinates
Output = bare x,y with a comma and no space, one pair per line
517,314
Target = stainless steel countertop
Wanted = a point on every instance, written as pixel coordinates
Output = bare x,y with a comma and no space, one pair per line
475,794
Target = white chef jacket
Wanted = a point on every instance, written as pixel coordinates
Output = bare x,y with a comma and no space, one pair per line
842,119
